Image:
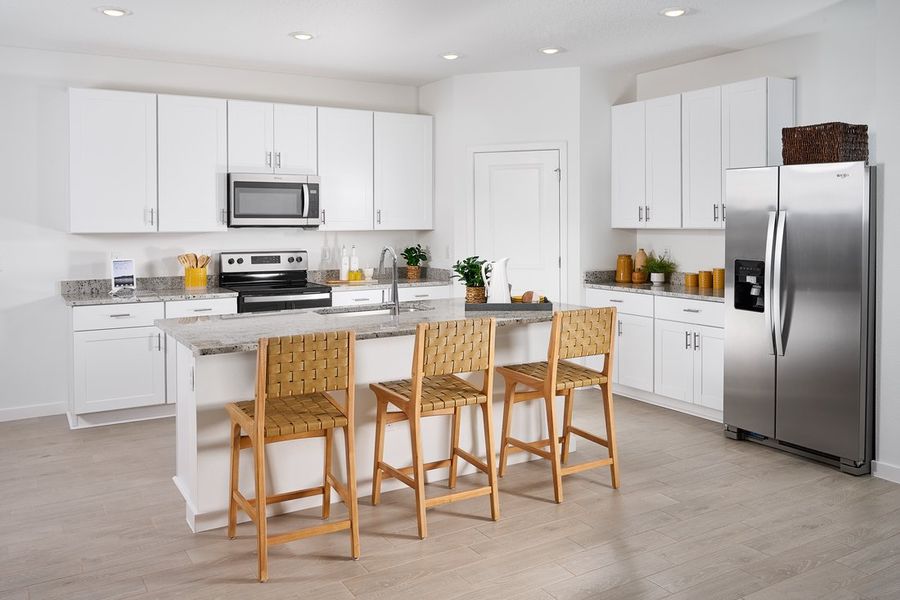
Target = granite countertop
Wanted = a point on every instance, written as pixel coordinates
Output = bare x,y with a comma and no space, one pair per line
223,334
667,289
93,297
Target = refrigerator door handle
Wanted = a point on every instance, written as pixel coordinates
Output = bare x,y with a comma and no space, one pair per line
768,283
778,260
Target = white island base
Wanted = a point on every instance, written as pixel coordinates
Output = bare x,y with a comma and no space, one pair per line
206,383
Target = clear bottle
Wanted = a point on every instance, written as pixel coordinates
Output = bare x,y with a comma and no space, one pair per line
345,265
354,261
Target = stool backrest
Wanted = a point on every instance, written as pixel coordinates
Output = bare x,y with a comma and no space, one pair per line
579,333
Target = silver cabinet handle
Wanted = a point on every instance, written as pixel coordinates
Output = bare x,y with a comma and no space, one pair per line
378,216
696,340
360,299
420,296
203,310
723,213
640,214
323,216
278,160
620,328
687,340
268,159
152,216
120,315
715,212
647,213
616,300
691,310
159,342
224,219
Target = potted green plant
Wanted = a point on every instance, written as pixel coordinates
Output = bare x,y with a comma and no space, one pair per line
415,256
468,271
659,266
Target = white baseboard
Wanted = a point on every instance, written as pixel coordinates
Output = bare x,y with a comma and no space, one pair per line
657,400
125,415
35,410
886,471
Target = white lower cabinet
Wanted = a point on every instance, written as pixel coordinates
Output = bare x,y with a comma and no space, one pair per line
690,363
634,352
356,297
118,368
424,293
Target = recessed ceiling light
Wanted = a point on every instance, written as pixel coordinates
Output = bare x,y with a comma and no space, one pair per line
450,56
551,50
113,11
302,36
673,12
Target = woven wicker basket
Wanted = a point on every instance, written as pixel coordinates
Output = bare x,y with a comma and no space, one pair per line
824,143
475,295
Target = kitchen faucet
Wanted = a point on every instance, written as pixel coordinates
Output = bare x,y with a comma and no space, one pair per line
395,295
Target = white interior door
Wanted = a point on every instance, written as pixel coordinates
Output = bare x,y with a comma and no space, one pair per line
517,216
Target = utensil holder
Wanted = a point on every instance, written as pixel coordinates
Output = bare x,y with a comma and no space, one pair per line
195,278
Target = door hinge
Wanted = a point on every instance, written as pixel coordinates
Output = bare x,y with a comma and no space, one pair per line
558,172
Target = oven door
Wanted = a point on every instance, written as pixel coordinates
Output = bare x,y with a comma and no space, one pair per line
273,302
267,200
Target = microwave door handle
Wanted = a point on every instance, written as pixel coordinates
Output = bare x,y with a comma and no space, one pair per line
769,280
305,200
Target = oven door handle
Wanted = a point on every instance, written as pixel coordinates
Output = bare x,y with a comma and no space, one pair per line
285,298
305,200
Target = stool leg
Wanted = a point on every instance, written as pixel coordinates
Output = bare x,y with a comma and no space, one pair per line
554,451
611,434
262,541
567,425
326,488
353,508
454,444
488,412
415,432
379,452
235,472
508,394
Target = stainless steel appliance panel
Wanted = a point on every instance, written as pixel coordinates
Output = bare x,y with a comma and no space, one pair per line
822,300
749,360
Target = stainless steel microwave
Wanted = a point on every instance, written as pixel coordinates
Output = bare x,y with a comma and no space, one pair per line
272,200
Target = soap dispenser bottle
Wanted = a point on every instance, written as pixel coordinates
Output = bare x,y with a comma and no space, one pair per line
354,263
345,264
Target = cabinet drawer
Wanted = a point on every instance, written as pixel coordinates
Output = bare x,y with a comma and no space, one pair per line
629,303
116,316
176,309
699,312
351,298
424,293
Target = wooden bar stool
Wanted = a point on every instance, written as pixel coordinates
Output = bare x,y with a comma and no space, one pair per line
294,378
442,350
573,334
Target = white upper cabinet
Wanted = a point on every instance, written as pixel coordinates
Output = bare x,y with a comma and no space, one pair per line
193,163
404,171
112,161
628,174
345,169
662,205
250,137
744,133
701,156
295,139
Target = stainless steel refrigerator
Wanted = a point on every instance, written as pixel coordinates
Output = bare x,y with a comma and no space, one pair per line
800,310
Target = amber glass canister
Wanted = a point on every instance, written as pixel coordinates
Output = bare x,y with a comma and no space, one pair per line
706,279
624,268
691,280
719,279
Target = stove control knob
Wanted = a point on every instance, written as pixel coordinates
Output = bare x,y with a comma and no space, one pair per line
291,259
240,261
299,259
230,261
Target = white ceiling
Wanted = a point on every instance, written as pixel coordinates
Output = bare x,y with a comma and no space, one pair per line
400,41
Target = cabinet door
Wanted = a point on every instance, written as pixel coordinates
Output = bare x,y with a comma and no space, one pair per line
118,368
744,124
295,139
112,161
356,298
419,293
628,165
673,360
709,366
701,158
250,137
404,192
345,169
663,168
193,163
634,352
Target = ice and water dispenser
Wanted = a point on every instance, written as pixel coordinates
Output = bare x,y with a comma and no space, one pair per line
749,289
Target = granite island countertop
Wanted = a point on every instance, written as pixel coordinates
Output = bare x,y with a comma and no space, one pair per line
223,334
667,289
376,284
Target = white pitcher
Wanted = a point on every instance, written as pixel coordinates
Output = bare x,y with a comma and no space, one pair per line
496,280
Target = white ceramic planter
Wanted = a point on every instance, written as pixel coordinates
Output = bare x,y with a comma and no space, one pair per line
657,278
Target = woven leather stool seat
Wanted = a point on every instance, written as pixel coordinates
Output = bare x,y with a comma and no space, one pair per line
568,375
297,414
439,391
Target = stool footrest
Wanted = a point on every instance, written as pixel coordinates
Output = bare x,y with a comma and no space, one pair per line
532,447
604,462
457,496
299,534
472,460
295,495
589,436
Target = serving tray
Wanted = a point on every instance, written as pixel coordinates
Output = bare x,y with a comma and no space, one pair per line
511,307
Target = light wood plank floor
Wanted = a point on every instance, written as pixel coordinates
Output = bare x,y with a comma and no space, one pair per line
94,514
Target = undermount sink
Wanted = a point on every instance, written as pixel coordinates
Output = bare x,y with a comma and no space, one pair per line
368,311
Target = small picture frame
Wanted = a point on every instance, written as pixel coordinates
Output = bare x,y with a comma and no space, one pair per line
123,274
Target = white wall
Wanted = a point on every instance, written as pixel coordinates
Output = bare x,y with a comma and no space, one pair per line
35,251
835,77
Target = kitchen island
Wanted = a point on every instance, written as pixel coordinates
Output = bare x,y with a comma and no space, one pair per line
215,364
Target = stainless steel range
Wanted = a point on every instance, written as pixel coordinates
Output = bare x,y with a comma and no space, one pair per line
270,281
